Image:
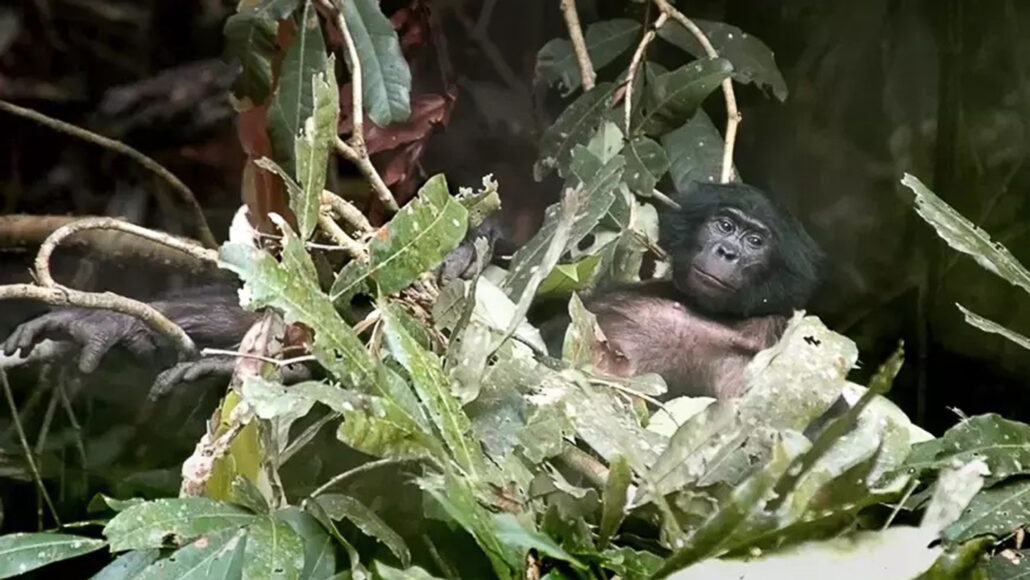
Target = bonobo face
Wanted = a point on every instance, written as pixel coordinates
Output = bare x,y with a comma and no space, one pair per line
730,251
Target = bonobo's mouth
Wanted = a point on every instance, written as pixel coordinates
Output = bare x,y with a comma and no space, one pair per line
710,280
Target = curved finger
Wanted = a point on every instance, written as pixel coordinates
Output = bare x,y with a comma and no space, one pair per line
93,351
166,381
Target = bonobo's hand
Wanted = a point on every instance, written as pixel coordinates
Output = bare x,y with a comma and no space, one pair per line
95,331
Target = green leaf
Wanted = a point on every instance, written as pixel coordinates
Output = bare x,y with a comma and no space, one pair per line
312,148
753,61
997,511
675,96
383,430
556,62
512,533
151,524
597,195
433,388
1010,565
20,553
695,152
250,39
615,499
319,549
418,238
293,100
581,336
128,565
565,279
385,78
218,555
646,163
1002,444
480,203
340,507
273,550
573,127
605,144
994,328
964,236
414,573
292,288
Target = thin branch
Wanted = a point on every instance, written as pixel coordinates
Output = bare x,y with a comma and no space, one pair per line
347,212
340,237
579,44
185,194
354,150
29,459
733,116
634,65
363,468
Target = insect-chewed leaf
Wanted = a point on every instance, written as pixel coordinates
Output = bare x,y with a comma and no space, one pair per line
291,287
148,525
312,147
339,507
646,163
1002,444
480,203
293,99
418,238
753,61
24,552
385,77
695,152
556,61
574,126
964,236
218,556
250,40
675,96
273,550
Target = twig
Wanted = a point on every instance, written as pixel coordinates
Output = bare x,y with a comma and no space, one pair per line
733,116
363,468
347,243
265,359
584,464
185,194
579,44
29,459
354,150
671,203
634,65
347,212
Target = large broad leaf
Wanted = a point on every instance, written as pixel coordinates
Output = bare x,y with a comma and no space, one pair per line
1002,444
418,238
964,236
752,60
433,388
293,99
675,96
512,533
20,553
556,62
250,40
319,548
597,195
646,163
128,565
1010,565
385,78
312,149
615,498
343,507
150,524
273,550
695,152
215,556
573,127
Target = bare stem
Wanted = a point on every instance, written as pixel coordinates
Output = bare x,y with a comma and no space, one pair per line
579,44
30,459
733,116
347,212
340,237
354,150
634,66
185,194
363,468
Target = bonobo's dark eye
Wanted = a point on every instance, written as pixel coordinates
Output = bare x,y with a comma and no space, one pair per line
725,225
755,241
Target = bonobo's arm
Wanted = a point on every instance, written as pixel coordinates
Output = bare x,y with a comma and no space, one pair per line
210,315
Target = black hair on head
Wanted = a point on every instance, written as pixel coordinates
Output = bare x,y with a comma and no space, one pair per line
790,278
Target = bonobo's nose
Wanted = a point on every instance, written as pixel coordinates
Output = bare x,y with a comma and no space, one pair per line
726,252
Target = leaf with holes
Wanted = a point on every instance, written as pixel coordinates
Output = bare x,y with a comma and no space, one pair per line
695,152
646,163
20,553
273,550
312,147
574,126
675,96
150,524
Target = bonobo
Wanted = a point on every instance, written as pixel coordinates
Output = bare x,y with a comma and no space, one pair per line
740,266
